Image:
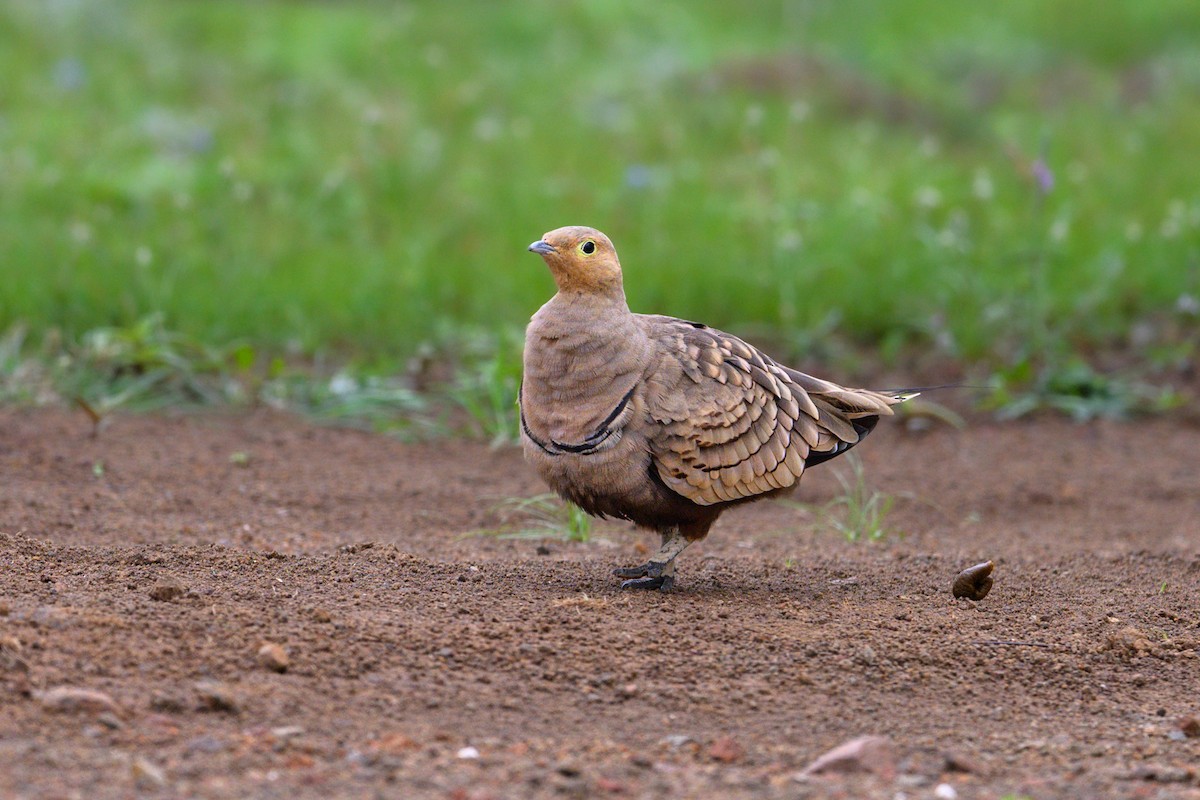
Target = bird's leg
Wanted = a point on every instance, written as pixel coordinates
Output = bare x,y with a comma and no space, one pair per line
659,571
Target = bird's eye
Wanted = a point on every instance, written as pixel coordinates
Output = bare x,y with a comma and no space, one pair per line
588,247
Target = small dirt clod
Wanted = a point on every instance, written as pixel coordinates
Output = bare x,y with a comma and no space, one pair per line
166,590
975,582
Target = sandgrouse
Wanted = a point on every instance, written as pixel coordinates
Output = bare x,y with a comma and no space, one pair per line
661,421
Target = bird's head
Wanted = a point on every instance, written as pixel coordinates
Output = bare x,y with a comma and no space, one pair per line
580,259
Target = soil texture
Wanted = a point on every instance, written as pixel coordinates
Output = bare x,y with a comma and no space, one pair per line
251,605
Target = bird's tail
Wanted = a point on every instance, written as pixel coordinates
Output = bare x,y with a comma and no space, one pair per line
910,392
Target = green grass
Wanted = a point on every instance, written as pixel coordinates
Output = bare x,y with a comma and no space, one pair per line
352,180
859,513
542,516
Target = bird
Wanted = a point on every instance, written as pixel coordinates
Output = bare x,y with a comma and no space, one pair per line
661,421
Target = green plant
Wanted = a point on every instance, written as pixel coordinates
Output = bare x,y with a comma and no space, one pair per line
486,384
379,402
542,516
859,513
20,377
1073,387
142,365
148,366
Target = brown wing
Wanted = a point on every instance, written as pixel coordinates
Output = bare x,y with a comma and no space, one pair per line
730,423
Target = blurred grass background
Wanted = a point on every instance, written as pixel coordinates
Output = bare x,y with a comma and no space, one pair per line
349,180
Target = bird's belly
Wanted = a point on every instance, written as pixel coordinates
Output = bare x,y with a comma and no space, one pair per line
613,482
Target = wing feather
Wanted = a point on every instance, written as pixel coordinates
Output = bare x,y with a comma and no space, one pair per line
732,424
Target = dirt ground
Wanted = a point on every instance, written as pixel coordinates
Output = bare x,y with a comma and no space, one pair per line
141,572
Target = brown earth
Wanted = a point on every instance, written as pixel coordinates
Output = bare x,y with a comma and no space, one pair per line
150,564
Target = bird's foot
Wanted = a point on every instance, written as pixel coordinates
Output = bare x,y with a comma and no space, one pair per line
662,582
651,575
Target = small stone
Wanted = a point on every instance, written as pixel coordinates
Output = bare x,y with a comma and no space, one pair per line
945,791
72,699
216,696
542,550
467,752
166,590
273,657
1190,727
110,721
321,615
628,690
676,740
726,750
912,781
285,732
865,754
975,582
146,775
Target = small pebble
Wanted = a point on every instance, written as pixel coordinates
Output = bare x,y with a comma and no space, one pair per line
216,696
273,657
110,721
71,699
945,791
875,754
287,731
726,750
146,775
468,752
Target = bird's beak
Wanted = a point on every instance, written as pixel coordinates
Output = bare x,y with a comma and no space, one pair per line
542,248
